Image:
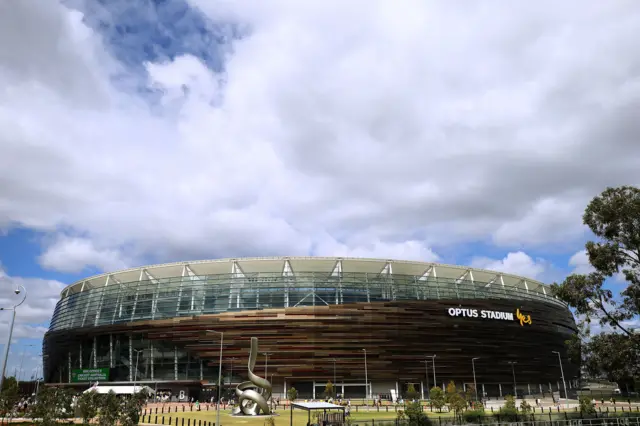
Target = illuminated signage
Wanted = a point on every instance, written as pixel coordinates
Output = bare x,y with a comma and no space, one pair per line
487,314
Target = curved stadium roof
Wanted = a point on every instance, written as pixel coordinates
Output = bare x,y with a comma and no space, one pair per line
288,266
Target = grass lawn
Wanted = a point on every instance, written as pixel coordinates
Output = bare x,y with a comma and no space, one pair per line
282,419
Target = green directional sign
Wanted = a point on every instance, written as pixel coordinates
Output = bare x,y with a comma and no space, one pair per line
89,375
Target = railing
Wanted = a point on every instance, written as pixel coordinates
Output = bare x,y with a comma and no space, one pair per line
187,296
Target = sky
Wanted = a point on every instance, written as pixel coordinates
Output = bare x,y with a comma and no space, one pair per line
167,130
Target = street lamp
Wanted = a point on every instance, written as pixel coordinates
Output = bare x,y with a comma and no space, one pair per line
564,384
513,370
366,375
135,373
17,291
219,374
475,385
266,362
426,375
334,376
435,383
22,358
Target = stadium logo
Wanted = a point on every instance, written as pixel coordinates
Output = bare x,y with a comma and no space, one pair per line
524,319
486,314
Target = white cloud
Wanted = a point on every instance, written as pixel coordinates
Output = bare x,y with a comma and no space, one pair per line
580,263
32,317
72,254
365,128
518,263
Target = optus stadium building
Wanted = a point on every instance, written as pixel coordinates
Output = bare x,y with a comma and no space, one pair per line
372,327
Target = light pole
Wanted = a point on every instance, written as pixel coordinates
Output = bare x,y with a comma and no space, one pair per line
17,290
266,362
135,373
219,374
435,383
475,385
366,375
426,375
513,370
564,384
334,376
22,359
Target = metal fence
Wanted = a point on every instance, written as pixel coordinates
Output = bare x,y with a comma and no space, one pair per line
554,420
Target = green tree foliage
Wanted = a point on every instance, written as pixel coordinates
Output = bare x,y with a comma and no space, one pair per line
470,393
328,389
411,392
508,412
614,356
9,395
292,394
437,398
586,405
457,402
613,218
88,404
131,408
52,405
414,415
109,409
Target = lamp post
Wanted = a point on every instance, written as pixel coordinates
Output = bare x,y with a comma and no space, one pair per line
426,375
475,385
564,384
266,362
135,372
366,375
435,383
219,374
334,377
513,370
22,360
17,291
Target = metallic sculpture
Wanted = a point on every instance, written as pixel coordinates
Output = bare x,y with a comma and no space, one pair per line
253,395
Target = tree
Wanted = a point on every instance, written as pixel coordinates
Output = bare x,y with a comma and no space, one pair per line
470,393
613,356
508,411
110,409
88,405
437,398
613,218
292,393
414,415
456,401
52,404
586,405
328,389
411,392
130,414
451,392
10,394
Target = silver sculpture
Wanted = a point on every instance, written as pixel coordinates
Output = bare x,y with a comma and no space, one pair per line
253,394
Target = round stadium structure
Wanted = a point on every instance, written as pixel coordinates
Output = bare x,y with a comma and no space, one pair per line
369,326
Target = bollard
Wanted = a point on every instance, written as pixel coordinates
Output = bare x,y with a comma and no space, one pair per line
156,410
183,421
162,419
170,420
188,422
156,422
183,408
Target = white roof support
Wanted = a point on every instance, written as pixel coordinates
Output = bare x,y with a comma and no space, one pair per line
286,269
427,273
82,288
337,269
236,270
494,279
150,277
526,285
387,269
464,276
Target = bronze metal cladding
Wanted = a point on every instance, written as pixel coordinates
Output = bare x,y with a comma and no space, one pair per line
397,336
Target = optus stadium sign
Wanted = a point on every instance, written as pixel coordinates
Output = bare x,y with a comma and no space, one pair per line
493,315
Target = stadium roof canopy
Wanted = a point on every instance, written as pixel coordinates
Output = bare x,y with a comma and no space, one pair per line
290,266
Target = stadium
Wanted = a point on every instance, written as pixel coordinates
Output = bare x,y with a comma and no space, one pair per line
372,327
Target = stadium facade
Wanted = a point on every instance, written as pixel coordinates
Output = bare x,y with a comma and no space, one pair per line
369,326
